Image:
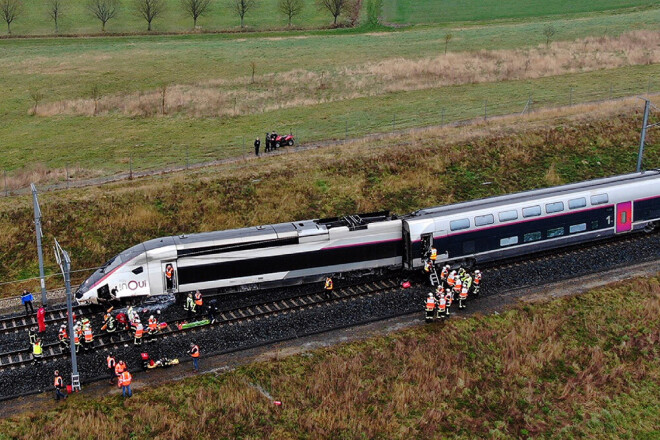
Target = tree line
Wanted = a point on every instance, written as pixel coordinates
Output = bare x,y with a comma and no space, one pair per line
150,10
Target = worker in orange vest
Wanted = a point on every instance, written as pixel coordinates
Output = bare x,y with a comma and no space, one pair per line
449,298
152,324
434,255
198,302
169,277
89,335
125,383
120,367
430,307
477,282
451,278
462,297
441,308
139,332
63,337
194,352
329,285
444,273
112,364
58,383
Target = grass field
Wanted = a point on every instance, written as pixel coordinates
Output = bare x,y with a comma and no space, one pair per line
69,69
579,367
446,11
401,174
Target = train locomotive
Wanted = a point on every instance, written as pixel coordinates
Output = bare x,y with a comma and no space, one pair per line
304,251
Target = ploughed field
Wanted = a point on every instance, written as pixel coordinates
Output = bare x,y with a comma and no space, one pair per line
498,279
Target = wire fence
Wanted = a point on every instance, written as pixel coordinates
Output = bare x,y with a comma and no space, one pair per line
372,123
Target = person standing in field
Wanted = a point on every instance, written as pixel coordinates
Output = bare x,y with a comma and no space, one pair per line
58,383
194,353
125,379
257,144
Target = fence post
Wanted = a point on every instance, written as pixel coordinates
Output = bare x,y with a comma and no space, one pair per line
485,109
570,99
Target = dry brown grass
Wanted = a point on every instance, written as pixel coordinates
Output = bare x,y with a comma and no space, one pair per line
301,87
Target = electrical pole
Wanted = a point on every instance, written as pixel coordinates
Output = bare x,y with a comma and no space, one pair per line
37,227
645,126
64,261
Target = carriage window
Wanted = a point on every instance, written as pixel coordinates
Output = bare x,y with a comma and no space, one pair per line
577,228
532,236
577,203
138,270
532,211
457,225
508,241
481,220
506,216
554,207
555,232
599,199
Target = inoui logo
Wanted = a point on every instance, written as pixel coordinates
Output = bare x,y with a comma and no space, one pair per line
133,285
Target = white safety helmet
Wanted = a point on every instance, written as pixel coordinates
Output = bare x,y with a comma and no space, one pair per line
151,317
477,271
430,294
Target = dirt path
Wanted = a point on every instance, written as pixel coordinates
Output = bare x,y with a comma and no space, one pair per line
222,363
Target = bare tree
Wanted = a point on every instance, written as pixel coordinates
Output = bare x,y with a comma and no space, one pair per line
149,9
55,12
10,9
241,7
549,31
335,7
104,10
196,8
448,38
290,8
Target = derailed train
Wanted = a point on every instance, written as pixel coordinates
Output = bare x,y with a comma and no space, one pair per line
304,251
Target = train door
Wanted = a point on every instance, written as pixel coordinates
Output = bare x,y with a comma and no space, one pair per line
623,217
427,243
170,276
407,248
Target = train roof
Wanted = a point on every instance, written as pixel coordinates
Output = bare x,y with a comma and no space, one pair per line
535,194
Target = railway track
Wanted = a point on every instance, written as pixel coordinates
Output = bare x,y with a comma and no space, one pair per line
14,324
23,357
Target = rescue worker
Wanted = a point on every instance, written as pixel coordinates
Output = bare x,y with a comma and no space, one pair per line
462,298
444,273
32,335
212,310
41,319
125,379
328,286
267,142
198,302
257,143
132,315
441,304
194,353
152,324
139,332
63,337
26,299
190,305
477,282
109,324
37,350
449,299
89,335
430,307
122,319
77,335
110,359
58,383
458,287
427,266
451,279
169,277
433,255
120,367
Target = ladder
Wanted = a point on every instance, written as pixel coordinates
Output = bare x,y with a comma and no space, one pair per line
75,382
433,276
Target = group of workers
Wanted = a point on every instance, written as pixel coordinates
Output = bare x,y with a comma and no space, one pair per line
453,285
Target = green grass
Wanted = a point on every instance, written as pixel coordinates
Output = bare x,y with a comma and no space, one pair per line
520,374
69,68
446,11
